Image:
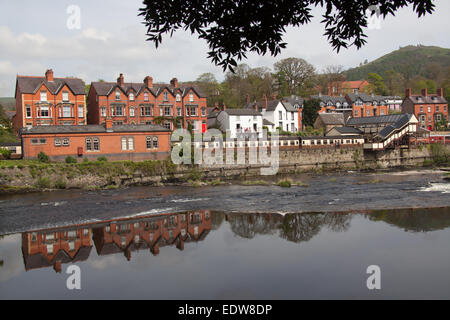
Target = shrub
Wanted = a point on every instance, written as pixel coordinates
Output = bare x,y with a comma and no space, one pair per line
43,157
60,184
5,153
85,160
284,183
43,183
70,159
102,159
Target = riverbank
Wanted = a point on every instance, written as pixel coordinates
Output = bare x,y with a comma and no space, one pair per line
21,176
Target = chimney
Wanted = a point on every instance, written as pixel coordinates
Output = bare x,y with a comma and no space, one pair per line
155,250
265,101
57,266
174,82
120,80
224,107
49,75
108,124
274,97
180,245
248,99
408,92
440,92
148,81
255,106
425,92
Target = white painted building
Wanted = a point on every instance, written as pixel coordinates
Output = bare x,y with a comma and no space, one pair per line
240,122
281,113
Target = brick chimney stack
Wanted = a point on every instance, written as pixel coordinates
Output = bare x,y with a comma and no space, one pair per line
49,75
120,80
440,92
248,98
148,81
174,82
265,101
224,107
274,97
408,92
425,92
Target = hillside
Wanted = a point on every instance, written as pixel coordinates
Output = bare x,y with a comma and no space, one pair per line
411,61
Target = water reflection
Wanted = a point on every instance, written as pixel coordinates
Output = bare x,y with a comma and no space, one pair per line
54,247
57,246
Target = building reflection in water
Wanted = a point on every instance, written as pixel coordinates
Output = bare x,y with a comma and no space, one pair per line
53,247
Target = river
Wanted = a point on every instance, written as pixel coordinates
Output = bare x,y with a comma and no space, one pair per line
233,241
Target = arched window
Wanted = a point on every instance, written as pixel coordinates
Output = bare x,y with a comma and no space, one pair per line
145,96
117,95
178,97
166,96
191,97
131,96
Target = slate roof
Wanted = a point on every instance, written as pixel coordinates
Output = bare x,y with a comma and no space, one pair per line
419,99
31,84
105,88
332,99
347,130
386,119
243,112
293,100
332,118
396,125
40,261
271,105
365,97
93,128
267,122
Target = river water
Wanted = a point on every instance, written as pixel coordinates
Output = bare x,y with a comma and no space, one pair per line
233,241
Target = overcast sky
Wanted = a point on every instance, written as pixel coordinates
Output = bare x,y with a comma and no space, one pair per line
34,36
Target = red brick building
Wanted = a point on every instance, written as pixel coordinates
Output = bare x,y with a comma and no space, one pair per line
49,101
429,109
345,87
152,232
365,105
53,247
121,142
171,105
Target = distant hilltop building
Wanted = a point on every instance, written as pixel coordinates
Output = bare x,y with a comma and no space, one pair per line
49,101
170,105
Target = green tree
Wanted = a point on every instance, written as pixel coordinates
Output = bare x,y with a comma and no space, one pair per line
376,84
210,86
310,112
293,75
233,28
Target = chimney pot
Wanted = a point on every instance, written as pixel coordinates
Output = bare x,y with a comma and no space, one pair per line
49,75
174,82
148,81
120,80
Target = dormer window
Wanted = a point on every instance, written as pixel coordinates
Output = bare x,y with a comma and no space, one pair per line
117,95
145,96
191,97
178,97
131,96
166,96
374,103
65,95
43,95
